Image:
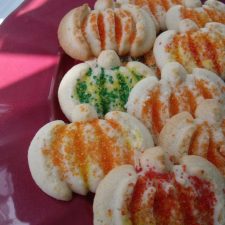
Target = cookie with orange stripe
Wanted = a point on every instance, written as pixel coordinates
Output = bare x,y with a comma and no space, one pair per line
211,11
191,192
154,101
203,134
129,30
65,158
158,8
193,47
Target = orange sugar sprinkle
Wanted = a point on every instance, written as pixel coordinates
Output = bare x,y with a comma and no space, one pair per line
115,125
136,201
215,156
55,154
219,42
128,26
151,110
141,2
200,18
173,105
165,4
101,150
146,109
76,150
223,126
149,58
45,151
132,37
192,101
192,44
215,15
110,18
83,26
187,13
118,29
174,46
101,28
195,145
181,45
208,50
133,27
203,89
156,109
162,3
128,152
103,147
212,54
183,98
152,7
177,2
93,20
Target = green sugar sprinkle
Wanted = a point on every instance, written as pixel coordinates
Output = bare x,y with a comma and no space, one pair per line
106,90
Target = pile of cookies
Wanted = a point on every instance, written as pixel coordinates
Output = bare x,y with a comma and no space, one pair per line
146,111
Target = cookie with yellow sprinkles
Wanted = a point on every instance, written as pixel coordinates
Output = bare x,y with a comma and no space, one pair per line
104,84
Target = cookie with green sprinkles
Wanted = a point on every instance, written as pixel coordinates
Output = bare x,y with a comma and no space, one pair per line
104,84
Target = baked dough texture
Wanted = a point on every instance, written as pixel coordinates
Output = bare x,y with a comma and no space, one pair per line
211,11
193,47
203,135
65,158
154,101
103,84
129,30
191,192
158,8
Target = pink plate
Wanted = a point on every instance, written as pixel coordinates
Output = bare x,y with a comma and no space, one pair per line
31,67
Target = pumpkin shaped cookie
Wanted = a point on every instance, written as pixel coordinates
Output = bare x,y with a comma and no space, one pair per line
129,30
104,84
193,47
203,135
75,157
154,101
158,8
211,11
191,192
